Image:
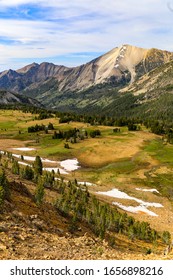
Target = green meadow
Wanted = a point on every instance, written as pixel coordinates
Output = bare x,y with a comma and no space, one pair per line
111,159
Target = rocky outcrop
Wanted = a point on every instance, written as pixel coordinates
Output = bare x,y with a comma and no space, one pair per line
154,83
121,65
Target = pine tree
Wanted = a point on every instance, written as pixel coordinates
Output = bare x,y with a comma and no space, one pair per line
15,167
1,198
38,166
166,237
27,173
48,179
4,183
131,233
73,224
39,193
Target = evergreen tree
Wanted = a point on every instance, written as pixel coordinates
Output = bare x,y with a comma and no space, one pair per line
15,167
50,126
27,173
132,126
48,179
73,224
131,233
95,133
66,146
166,237
4,183
39,192
1,198
38,166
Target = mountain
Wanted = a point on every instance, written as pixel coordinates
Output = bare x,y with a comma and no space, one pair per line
7,97
99,84
120,65
32,74
158,80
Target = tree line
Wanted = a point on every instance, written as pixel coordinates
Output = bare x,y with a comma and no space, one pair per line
159,127
42,127
156,126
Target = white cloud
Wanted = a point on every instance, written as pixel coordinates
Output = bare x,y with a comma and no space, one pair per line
67,27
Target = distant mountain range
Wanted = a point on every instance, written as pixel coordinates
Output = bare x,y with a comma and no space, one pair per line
7,98
127,75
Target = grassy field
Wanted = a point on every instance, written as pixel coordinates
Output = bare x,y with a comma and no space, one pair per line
124,160
123,152
113,154
161,151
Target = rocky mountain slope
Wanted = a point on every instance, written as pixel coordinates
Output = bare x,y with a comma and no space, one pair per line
96,85
158,80
120,65
7,97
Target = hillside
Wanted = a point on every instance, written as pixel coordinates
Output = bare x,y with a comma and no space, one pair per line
157,81
7,98
29,231
93,86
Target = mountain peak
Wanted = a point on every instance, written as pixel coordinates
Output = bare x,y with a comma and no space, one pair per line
27,68
120,67
118,60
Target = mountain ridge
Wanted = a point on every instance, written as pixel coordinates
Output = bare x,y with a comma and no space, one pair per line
75,88
8,98
120,63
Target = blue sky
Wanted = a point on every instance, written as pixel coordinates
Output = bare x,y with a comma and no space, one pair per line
73,32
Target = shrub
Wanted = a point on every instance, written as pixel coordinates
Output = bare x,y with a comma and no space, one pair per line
95,133
15,167
4,183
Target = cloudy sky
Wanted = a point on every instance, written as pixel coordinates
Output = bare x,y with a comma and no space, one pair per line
72,32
